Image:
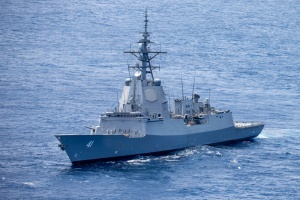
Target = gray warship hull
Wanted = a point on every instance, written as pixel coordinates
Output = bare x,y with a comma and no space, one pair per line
92,148
144,123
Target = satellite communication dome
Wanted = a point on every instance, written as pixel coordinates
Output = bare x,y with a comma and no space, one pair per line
157,82
127,81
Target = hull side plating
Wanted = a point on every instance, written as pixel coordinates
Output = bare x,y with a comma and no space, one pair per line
89,148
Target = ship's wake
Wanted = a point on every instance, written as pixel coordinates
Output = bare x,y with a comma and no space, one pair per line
198,152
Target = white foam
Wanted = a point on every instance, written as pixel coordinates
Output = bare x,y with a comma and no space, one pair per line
262,135
138,161
31,184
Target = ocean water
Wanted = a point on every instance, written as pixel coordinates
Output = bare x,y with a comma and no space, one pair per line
62,65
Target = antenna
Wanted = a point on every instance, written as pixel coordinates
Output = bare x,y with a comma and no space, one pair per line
123,106
209,96
146,21
193,89
118,100
169,100
134,96
129,71
182,97
182,89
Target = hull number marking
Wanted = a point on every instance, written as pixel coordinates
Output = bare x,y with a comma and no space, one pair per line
90,144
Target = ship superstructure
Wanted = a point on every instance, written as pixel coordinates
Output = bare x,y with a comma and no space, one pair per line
143,124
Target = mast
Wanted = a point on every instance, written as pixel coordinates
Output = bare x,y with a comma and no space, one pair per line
144,54
193,89
182,98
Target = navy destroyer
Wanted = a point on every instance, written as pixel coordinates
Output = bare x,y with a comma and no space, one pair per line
143,124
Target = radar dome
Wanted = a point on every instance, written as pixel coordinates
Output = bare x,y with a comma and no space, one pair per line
127,81
157,82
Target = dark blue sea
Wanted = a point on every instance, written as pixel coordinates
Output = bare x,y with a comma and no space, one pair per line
62,65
